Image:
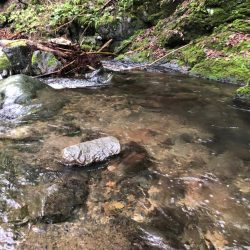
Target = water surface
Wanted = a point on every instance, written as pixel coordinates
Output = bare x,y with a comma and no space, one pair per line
181,182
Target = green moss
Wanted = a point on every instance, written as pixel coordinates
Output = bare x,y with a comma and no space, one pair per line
52,61
233,69
193,54
34,59
125,43
241,47
121,58
141,56
242,95
245,90
3,19
239,25
4,61
86,47
14,43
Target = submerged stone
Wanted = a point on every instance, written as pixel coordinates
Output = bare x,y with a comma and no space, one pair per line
91,151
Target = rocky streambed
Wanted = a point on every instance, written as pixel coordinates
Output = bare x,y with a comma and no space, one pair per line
181,180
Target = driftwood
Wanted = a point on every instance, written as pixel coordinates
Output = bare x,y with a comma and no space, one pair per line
74,59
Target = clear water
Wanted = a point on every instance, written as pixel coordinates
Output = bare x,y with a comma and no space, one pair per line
182,181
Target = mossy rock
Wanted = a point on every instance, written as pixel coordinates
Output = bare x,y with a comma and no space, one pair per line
235,69
18,54
44,62
119,28
4,61
242,95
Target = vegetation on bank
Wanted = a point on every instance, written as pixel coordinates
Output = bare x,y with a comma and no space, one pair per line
217,31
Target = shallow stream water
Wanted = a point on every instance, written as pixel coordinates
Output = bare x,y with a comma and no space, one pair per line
181,182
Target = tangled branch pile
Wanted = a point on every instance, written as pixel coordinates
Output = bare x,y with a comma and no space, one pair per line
73,58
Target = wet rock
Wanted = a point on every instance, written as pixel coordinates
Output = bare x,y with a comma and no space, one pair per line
134,160
50,201
242,96
18,55
22,95
62,199
95,79
17,133
44,62
173,39
225,165
85,235
91,151
16,93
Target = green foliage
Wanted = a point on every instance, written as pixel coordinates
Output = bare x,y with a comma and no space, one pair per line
64,12
3,19
125,4
245,90
26,20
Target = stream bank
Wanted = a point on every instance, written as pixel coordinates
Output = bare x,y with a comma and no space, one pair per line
216,32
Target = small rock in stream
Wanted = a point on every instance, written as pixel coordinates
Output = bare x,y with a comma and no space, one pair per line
91,151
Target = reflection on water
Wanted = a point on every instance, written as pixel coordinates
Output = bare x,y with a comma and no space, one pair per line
181,182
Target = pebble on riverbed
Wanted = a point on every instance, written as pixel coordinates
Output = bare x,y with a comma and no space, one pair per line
91,151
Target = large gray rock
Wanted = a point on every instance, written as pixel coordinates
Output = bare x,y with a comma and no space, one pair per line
120,28
23,95
16,93
36,194
91,151
15,57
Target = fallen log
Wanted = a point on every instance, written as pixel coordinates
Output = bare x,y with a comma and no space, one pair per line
42,47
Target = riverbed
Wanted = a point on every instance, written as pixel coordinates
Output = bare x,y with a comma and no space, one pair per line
181,182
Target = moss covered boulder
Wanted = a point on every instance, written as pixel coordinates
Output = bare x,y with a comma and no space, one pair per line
15,57
44,62
242,96
118,28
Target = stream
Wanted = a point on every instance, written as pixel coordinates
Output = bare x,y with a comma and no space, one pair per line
181,182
